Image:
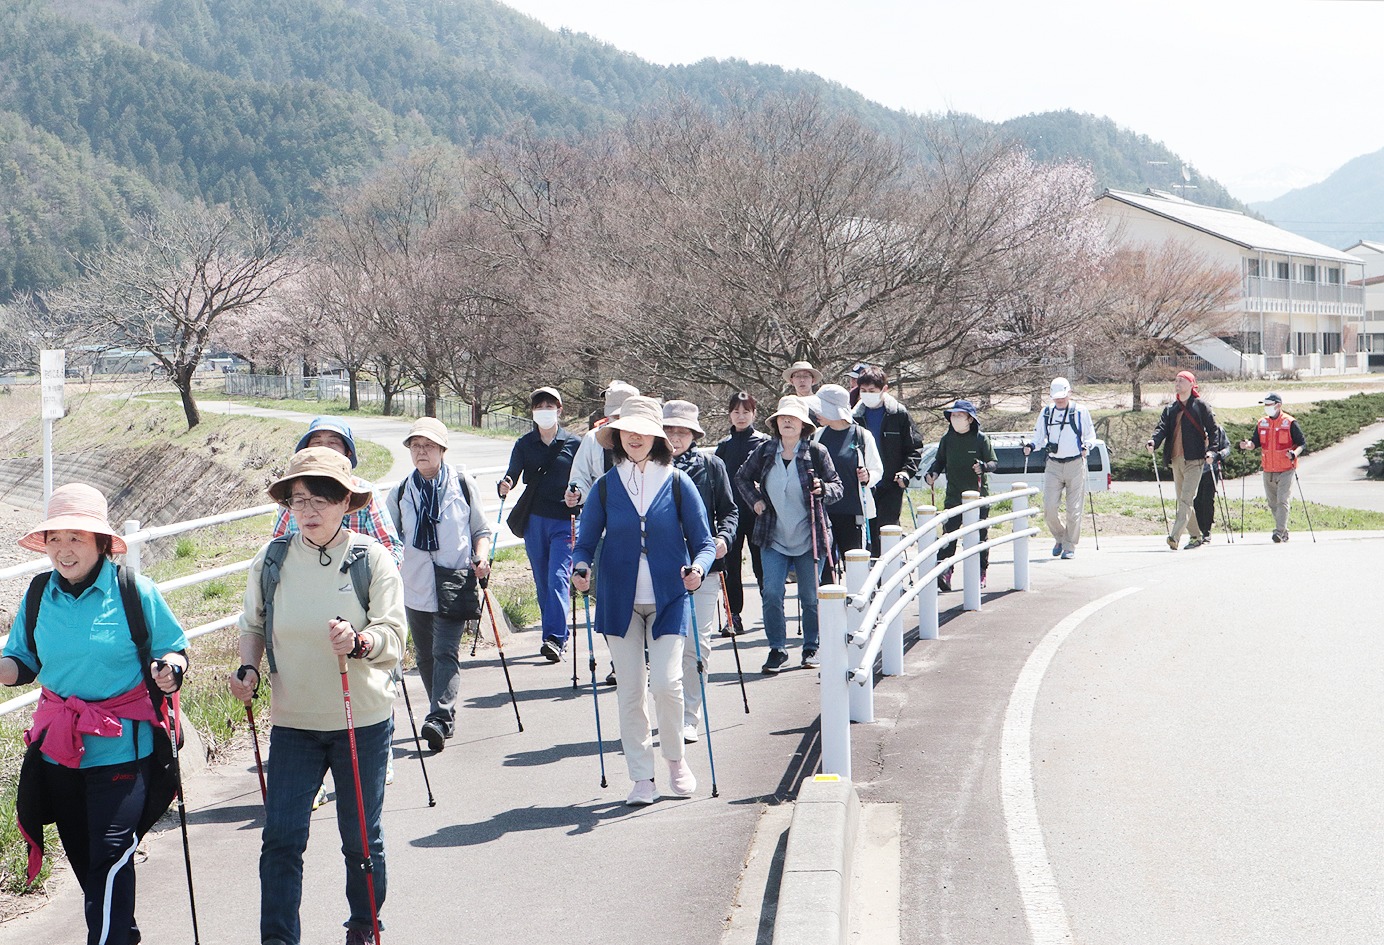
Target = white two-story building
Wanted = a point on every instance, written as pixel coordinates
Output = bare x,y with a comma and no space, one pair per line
1371,253
1302,302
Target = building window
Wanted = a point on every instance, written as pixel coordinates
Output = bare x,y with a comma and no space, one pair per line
1309,273
1304,342
1333,275
1249,342
1251,267
1331,342
1280,271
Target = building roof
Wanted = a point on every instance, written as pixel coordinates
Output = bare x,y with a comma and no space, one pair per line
1369,245
1230,225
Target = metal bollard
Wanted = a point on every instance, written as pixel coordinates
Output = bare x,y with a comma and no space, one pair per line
891,652
862,697
927,594
1020,544
836,720
970,567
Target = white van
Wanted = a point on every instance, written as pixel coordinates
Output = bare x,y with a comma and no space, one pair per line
1009,454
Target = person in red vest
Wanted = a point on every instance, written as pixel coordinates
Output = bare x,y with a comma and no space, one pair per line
1280,441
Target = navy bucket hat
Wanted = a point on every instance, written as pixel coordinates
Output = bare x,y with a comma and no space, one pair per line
331,425
962,406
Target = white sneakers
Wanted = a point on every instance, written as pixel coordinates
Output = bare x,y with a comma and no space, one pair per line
643,794
683,783
689,735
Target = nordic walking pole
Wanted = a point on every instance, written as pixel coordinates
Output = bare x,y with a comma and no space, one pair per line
1167,526
1225,503
701,681
417,742
254,733
572,637
489,607
367,865
1242,506
494,540
591,661
171,704
860,486
1094,528
735,647
1304,504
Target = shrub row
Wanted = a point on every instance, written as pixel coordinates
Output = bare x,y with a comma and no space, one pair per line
1326,424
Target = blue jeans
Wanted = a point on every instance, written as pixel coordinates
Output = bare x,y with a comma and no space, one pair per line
437,647
298,759
548,542
775,580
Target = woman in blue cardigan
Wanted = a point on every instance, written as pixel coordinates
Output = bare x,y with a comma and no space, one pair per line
654,523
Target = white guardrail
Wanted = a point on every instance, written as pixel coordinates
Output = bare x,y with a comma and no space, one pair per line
136,538
863,621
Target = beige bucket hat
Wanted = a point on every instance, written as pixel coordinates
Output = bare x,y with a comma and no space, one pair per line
325,463
796,366
791,406
430,428
682,413
77,507
638,415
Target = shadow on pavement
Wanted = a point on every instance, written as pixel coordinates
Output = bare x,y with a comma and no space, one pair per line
577,819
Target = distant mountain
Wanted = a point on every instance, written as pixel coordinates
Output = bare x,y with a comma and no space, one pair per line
272,102
1346,207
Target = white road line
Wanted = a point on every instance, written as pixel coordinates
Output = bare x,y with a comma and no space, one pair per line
1047,918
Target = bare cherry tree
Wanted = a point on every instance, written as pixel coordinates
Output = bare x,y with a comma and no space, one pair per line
1157,297
164,289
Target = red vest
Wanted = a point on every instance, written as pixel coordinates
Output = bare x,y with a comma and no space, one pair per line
1275,440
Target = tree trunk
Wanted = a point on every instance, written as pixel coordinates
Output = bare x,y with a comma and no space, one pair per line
353,393
476,412
430,399
1138,385
182,379
387,401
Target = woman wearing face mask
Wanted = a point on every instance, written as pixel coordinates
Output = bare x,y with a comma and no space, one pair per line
657,550
857,462
789,481
544,457
733,450
965,455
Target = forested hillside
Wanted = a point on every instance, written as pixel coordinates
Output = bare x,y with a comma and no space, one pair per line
1346,207
107,107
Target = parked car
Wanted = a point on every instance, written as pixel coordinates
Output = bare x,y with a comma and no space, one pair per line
1009,454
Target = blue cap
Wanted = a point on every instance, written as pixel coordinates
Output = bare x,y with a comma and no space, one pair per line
331,425
963,406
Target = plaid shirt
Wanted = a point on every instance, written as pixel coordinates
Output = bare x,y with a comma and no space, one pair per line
811,458
367,521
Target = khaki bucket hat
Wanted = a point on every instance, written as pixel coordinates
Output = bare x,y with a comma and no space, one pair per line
683,413
638,415
429,428
77,507
324,463
796,366
791,406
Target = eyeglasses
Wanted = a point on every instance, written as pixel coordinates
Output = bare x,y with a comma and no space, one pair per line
319,504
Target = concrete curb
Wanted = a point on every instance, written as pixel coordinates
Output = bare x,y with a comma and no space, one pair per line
815,892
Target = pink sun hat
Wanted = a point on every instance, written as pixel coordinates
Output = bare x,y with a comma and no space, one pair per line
74,507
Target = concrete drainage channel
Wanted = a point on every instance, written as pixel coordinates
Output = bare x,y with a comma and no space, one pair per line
821,871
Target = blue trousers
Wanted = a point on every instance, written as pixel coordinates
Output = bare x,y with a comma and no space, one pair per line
548,542
775,582
298,759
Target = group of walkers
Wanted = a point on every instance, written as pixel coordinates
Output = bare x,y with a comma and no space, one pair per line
632,514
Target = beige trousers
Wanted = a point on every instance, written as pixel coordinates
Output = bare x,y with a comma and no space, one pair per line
662,675
1069,478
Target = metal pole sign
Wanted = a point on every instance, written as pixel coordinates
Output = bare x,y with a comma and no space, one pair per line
52,366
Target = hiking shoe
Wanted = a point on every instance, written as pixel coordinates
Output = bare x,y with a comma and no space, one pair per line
551,651
1172,542
689,735
1068,555
810,660
321,797
642,795
610,677
1057,549
682,782
389,769
737,625
944,580
434,735
360,937
1193,542
1277,538
982,580
1285,537
774,663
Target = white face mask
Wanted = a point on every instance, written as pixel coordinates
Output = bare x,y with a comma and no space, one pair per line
1271,410
871,399
546,419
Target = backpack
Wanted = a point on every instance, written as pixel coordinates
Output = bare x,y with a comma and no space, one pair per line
356,562
397,496
1072,414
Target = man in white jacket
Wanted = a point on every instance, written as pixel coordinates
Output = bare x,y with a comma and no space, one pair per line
1065,432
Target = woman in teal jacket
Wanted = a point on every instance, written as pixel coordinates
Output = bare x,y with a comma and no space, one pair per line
657,550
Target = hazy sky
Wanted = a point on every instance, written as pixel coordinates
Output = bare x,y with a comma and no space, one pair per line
1264,96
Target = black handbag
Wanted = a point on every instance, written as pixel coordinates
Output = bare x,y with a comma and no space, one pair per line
458,593
518,519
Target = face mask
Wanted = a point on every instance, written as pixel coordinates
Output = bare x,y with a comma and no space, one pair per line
546,419
871,399
1271,410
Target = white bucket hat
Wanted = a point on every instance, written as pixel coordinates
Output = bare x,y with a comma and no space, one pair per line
791,406
638,415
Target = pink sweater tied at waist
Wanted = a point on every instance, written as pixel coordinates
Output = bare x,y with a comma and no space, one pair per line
64,722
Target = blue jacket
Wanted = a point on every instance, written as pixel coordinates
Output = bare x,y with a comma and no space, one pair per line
673,539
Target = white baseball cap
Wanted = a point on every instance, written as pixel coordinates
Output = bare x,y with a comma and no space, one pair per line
1061,387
